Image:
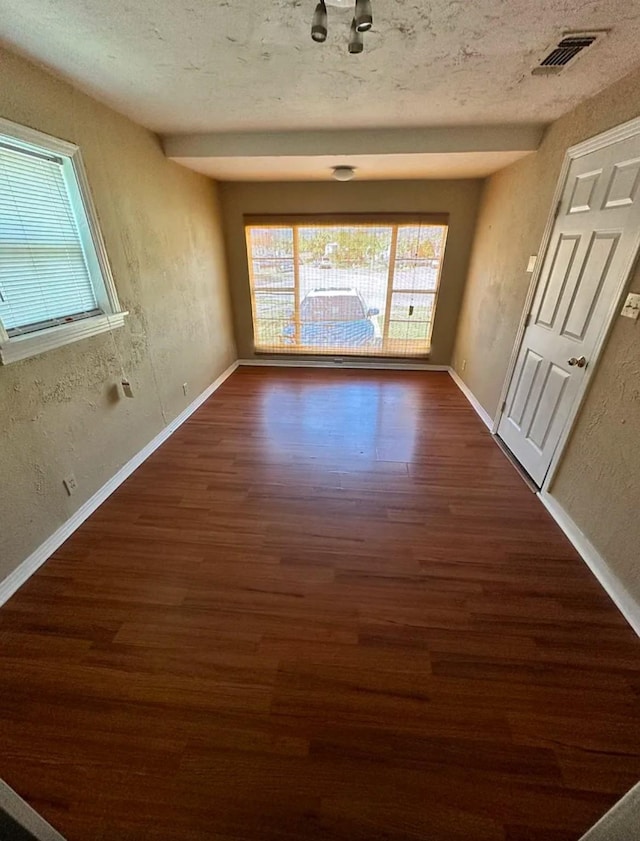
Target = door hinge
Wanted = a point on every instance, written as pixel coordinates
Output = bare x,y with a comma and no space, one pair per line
527,320
557,210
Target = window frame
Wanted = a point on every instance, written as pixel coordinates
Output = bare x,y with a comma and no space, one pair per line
295,221
17,347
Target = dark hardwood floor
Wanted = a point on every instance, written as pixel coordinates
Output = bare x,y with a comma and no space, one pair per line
327,608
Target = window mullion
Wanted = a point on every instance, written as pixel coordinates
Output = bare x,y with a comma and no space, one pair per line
390,278
296,282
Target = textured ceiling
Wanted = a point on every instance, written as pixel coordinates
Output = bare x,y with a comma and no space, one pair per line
235,65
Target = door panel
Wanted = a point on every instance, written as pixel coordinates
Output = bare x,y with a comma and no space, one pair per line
529,373
583,189
623,184
591,247
546,409
559,272
589,286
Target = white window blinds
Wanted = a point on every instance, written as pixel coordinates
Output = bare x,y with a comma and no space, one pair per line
44,276
359,286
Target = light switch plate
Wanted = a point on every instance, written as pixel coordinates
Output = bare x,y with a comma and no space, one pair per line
631,308
532,262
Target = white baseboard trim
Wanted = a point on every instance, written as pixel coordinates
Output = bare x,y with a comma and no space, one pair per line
484,416
373,364
26,569
25,816
621,822
616,590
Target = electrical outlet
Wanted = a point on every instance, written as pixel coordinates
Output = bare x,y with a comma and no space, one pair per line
631,307
70,484
185,388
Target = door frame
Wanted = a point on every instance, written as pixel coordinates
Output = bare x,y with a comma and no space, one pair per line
624,131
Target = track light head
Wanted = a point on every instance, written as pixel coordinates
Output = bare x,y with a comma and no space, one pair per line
356,41
363,16
319,29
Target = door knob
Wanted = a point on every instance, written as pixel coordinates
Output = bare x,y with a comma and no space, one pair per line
578,362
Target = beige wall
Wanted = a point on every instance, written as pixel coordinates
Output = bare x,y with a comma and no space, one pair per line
59,412
457,198
599,480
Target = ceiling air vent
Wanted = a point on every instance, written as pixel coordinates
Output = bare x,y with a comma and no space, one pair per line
566,51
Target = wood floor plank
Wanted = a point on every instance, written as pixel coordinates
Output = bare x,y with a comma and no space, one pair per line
327,608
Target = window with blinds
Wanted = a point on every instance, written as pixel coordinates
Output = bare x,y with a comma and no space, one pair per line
46,264
351,286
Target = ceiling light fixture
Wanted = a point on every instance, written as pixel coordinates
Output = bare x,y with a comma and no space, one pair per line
319,23
364,15
362,22
344,173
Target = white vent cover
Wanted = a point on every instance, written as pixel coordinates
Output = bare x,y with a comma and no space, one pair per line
566,51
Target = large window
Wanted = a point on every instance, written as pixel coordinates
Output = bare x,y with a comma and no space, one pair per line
55,282
345,287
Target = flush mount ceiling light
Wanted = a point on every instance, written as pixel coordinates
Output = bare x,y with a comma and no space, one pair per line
344,173
362,22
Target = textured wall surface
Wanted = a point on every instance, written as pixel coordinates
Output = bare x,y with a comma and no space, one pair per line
598,480
457,198
60,412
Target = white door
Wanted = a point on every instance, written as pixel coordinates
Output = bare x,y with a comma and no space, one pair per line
593,241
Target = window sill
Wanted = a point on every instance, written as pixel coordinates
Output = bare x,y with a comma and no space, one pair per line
33,344
391,355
